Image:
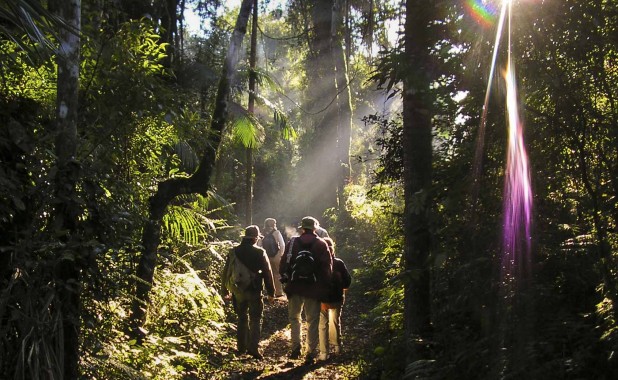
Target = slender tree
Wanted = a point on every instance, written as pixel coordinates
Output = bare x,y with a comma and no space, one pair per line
169,22
251,109
68,209
197,183
321,93
344,101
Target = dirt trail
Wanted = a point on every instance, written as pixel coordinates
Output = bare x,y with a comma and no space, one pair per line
276,342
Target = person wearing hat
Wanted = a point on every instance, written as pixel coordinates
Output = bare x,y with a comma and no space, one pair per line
330,316
320,231
303,293
248,303
271,231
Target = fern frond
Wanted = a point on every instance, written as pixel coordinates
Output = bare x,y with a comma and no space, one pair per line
183,223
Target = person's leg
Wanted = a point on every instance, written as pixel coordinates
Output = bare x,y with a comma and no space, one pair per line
274,266
256,308
334,329
295,306
242,329
312,313
323,332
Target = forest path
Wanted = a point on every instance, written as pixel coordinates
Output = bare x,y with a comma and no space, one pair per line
275,346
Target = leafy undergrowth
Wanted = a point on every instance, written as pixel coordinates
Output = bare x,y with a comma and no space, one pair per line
276,341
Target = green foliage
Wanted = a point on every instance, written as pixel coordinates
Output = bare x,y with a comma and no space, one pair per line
29,346
248,131
186,306
390,144
134,128
23,78
372,234
21,18
186,327
142,122
605,310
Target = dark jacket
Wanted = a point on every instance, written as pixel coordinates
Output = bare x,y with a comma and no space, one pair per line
256,260
324,266
341,279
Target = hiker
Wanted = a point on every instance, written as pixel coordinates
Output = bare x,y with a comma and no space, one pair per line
306,270
247,298
274,245
320,231
330,313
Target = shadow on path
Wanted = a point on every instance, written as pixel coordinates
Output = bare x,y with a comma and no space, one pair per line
275,346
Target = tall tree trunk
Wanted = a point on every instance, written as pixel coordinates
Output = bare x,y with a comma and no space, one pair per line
320,155
417,157
344,103
197,183
169,20
251,109
136,9
67,270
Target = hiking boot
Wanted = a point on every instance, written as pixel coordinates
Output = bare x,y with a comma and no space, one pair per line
295,354
309,358
256,355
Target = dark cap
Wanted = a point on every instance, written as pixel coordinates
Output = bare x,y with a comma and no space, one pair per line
308,223
253,232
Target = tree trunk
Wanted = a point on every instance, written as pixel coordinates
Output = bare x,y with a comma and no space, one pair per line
67,270
251,109
136,9
320,155
169,20
344,103
197,183
417,157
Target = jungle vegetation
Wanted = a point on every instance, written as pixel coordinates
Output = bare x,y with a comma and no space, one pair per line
137,142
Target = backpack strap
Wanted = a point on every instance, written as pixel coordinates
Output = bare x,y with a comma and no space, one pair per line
303,247
289,254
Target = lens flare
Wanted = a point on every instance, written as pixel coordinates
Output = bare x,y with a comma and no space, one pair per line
483,11
480,142
517,187
517,204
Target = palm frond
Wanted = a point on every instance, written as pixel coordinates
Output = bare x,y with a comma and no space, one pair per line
264,79
187,155
30,18
280,119
248,131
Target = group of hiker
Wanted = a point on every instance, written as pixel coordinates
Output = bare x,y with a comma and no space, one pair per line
305,271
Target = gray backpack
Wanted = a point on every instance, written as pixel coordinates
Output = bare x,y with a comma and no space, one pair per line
241,277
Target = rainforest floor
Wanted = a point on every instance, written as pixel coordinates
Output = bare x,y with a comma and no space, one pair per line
275,347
